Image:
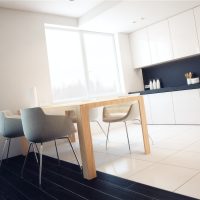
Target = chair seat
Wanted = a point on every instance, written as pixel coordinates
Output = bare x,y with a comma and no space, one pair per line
114,117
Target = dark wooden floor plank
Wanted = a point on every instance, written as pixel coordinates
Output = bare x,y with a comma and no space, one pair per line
66,182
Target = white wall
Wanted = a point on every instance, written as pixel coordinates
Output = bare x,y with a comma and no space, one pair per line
23,57
23,60
132,78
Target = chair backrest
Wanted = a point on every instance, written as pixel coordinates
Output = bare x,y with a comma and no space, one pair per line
133,113
93,114
33,120
10,125
125,112
2,124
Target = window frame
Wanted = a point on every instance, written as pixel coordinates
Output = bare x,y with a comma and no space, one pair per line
88,96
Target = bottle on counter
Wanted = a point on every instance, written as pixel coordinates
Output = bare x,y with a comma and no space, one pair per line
151,85
158,84
154,84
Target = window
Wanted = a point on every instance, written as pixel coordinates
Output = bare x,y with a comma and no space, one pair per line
82,64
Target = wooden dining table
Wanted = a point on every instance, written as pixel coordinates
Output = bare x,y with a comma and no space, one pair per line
81,110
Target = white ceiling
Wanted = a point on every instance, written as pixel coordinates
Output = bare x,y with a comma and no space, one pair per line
75,8
106,15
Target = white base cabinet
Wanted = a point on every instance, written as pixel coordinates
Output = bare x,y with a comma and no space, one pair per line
147,109
162,108
178,107
187,106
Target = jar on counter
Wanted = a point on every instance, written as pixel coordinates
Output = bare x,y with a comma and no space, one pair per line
151,85
157,84
154,84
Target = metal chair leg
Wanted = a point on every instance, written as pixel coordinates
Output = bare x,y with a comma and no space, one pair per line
22,170
4,147
37,148
127,136
107,135
74,153
40,170
34,149
9,141
151,139
57,152
100,127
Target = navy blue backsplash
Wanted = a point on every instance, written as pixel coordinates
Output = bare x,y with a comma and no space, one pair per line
172,74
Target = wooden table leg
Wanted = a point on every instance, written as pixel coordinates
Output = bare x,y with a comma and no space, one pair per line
85,140
144,125
24,145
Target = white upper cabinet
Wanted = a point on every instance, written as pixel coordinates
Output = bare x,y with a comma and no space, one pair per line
184,34
197,19
160,43
140,48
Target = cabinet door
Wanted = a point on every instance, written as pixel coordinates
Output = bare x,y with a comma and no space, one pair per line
147,109
161,106
160,43
187,106
140,48
197,19
183,34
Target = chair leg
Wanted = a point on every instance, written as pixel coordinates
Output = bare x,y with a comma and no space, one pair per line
107,135
37,148
151,139
9,141
149,135
34,149
127,136
74,153
22,170
4,147
100,127
57,152
40,170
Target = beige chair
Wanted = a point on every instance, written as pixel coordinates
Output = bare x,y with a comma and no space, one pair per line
121,113
93,115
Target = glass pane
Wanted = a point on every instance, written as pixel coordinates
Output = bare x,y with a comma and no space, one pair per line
66,64
101,64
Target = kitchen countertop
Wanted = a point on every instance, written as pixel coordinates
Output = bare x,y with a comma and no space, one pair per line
168,89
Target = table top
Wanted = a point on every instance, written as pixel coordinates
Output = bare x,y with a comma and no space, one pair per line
92,103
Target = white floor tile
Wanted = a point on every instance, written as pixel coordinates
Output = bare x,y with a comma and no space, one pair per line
195,147
157,154
164,176
184,159
191,188
124,167
101,158
173,161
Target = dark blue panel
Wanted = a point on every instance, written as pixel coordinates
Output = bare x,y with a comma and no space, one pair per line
172,74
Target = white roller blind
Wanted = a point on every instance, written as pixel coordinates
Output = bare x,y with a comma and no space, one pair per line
82,64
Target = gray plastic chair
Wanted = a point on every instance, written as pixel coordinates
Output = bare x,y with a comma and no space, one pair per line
39,128
10,127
